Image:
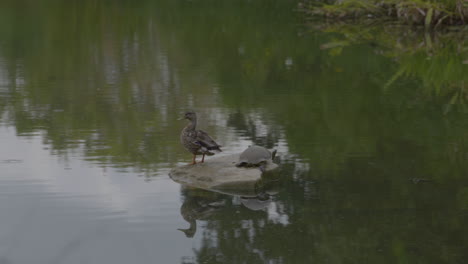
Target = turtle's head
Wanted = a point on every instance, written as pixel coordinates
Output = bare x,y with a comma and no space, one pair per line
190,116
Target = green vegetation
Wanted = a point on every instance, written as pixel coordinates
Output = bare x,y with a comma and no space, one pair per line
438,58
428,13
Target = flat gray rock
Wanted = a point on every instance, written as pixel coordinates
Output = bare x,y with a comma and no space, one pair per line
221,174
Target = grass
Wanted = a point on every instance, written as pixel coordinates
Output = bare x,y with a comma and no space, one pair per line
431,14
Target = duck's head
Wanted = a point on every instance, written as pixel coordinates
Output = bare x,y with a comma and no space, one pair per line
190,116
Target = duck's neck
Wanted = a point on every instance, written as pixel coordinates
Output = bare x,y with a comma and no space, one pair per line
192,125
190,232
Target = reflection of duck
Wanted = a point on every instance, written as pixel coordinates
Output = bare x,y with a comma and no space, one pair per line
197,208
200,204
195,141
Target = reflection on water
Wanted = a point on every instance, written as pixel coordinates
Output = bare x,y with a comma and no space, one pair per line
371,139
203,205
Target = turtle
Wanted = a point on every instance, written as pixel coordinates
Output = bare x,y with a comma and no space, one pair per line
255,156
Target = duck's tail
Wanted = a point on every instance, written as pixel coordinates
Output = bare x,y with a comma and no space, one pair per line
206,151
216,148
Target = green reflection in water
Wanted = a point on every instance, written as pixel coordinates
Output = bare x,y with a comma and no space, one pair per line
376,169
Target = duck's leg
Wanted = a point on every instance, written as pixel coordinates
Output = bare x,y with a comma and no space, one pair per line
193,160
203,158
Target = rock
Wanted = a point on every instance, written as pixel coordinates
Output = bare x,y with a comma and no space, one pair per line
221,174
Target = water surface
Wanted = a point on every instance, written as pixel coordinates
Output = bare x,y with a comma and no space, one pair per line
370,131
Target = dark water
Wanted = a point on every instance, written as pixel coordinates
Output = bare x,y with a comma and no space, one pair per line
371,132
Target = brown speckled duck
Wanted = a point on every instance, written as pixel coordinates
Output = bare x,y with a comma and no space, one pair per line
195,141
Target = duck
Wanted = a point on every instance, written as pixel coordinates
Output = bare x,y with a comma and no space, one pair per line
197,142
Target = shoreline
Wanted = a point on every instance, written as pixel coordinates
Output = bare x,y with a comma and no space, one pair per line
427,14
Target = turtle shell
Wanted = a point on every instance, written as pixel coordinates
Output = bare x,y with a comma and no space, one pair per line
254,155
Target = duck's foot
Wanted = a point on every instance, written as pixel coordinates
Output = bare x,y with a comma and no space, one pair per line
193,160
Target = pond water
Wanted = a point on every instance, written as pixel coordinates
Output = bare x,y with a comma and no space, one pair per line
371,135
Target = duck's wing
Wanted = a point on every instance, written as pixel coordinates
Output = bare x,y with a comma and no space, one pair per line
206,141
